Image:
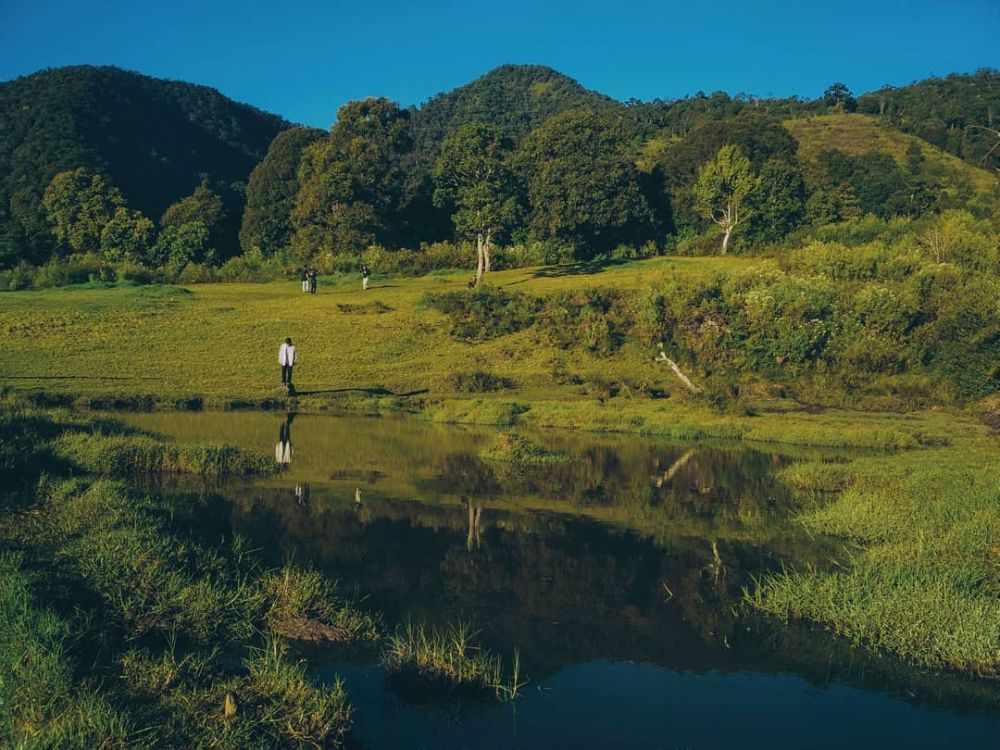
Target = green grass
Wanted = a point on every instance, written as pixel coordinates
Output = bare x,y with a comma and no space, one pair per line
40,706
120,563
266,702
925,583
446,661
218,342
128,455
511,448
306,605
856,134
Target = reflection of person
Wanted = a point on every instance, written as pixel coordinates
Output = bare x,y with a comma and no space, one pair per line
302,493
283,448
365,273
286,358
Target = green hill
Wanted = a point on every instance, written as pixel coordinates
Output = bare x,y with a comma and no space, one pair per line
518,98
856,134
948,112
153,138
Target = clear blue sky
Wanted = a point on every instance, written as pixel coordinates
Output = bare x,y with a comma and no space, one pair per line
303,60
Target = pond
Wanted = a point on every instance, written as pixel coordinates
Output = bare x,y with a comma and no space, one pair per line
618,573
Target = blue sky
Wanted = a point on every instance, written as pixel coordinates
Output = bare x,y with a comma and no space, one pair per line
303,60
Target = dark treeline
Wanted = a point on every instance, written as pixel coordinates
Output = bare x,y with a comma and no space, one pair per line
126,169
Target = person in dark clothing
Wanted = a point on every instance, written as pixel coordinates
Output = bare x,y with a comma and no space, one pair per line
313,276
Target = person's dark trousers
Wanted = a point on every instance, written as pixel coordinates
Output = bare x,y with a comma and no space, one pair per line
286,375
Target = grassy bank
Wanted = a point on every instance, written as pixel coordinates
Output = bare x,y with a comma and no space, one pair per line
926,583
119,627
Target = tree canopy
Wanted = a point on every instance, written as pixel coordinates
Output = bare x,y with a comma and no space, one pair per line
583,185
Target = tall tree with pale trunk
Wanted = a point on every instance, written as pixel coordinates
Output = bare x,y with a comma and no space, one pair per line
473,175
721,192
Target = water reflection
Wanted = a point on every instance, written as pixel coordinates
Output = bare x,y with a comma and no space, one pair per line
634,550
283,448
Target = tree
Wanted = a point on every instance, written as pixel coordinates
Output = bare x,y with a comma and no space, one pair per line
840,97
27,235
722,189
271,191
204,205
127,236
78,204
179,245
878,182
583,185
778,206
473,175
351,183
758,137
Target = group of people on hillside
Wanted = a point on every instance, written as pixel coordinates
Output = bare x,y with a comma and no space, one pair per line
309,278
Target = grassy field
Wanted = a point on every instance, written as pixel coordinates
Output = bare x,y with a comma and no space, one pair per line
216,345
221,340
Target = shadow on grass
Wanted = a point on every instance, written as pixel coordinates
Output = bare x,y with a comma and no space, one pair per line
82,377
581,268
376,391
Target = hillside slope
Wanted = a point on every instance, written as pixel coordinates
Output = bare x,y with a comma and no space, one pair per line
154,138
856,134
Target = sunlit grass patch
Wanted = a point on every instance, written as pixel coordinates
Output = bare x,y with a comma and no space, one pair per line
446,661
126,455
306,605
511,448
926,586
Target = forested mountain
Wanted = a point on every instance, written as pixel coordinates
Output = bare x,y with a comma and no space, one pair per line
123,168
517,98
154,140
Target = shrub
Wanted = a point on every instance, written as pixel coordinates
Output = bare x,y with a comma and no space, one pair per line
479,381
486,312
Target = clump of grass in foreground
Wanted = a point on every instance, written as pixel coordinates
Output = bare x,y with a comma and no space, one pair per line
305,605
446,661
124,455
39,704
512,448
121,544
267,702
927,587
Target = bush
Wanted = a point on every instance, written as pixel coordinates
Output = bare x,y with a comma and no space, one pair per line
595,318
479,381
486,312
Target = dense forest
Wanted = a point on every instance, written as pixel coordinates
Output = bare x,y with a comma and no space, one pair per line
152,140
104,166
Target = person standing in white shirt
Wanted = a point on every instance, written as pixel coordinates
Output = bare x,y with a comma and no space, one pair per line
286,358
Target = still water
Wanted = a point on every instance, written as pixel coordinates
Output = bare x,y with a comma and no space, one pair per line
618,574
